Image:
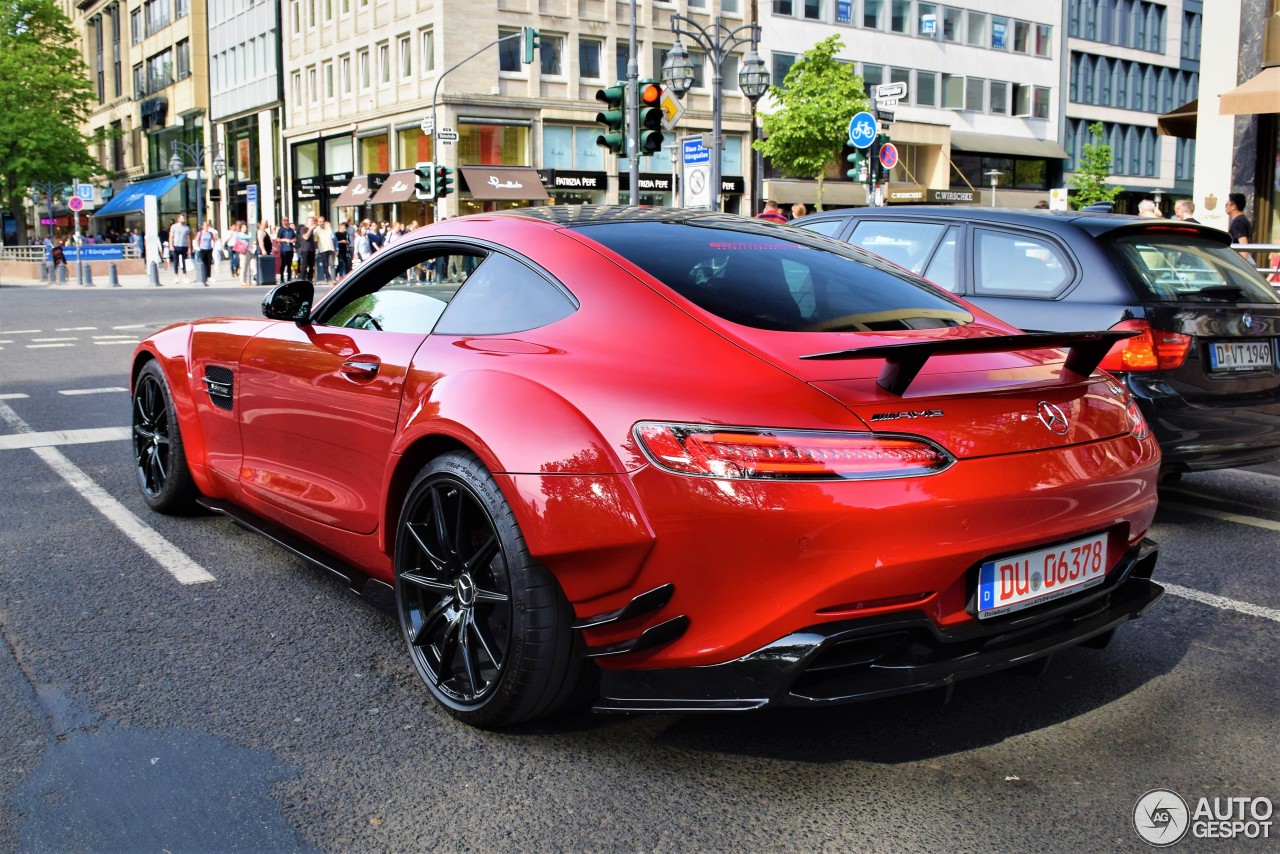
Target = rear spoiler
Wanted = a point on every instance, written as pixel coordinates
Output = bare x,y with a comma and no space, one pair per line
1085,351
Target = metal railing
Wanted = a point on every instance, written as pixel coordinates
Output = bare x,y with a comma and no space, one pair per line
1266,258
37,252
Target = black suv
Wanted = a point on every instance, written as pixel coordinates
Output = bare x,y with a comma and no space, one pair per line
1205,368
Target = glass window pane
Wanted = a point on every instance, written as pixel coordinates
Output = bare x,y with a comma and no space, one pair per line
509,50
977,35
952,92
928,19
942,269
1018,264
551,49
999,33
900,16
999,97
873,14
975,93
586,154
589,51
1021,36
951,24
907,244
927,88
557,146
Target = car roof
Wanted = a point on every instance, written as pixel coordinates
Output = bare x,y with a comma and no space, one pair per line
1058,222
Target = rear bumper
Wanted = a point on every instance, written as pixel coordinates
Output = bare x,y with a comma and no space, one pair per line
1199,437
887,655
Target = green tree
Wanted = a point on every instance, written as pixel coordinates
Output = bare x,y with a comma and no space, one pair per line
818,97
1090,178
45,97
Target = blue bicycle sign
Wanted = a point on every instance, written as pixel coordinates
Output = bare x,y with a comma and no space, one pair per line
862,130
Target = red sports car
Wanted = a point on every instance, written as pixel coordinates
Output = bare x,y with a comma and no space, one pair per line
668,461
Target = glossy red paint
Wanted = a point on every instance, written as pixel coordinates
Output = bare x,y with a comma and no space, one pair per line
324,447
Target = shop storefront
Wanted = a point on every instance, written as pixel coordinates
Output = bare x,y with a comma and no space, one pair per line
321,170
396,189
656,191
352,204
498,188
571,187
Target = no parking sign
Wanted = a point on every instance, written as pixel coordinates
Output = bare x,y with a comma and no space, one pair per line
888,155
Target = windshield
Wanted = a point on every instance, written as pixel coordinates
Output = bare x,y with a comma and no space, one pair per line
779,278
1182,268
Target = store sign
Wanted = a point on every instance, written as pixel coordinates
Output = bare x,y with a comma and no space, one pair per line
650,183
564,179
908,194
729,185
952,197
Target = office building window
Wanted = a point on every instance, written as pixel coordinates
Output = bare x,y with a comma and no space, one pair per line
999,101
926,94
297,89
975,94
183,51
312,93
406,57
900,16
620,54
780,7
181,8
951,24
135,26
427,50
364,70
384,64
927,15
345,65
977,31
872,76
952,92
551,50
782,63
589,53
1040,108
813,10
509,51
873,14
1044,40
328,81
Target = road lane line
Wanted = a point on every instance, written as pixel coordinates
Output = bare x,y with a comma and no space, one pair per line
46,340
45,346
13,395
74,391
132,326
1238,518
110,337
1221,602
165,553
21,332
126,341
75,329
51,438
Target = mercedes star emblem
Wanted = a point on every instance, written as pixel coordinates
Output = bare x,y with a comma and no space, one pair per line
1052,417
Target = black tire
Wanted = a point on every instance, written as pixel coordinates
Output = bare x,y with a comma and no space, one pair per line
158,454
486,625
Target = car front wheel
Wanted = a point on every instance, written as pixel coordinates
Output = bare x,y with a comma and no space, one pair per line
487,626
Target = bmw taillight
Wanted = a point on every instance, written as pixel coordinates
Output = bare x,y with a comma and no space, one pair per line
742,453
1150,350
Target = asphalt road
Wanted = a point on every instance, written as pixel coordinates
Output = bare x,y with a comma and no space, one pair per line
269,709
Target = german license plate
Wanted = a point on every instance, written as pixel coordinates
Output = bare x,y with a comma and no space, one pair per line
1241,355
1018,581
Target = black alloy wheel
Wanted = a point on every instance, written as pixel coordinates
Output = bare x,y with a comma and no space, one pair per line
158,454
487,627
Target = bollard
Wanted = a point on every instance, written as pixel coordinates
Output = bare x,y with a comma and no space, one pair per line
202,275
61,273
88,276
113,277
153,274
45,272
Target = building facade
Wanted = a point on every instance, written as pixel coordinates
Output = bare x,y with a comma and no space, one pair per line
361,76
983,96
1130,61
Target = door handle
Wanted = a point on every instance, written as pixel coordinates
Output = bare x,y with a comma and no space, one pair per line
360,369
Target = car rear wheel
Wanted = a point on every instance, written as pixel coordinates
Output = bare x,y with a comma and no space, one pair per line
159,457
487,626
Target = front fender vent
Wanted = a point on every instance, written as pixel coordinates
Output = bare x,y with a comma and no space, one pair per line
218,383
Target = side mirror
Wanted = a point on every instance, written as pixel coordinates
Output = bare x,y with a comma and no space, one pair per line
290,301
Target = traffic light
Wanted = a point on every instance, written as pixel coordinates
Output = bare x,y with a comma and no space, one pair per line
424,181
531,43
444,181
858,161
649,135
614,118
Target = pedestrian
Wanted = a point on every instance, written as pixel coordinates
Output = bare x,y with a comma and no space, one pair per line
263,246
363,247
1240,229
1147,209
771,212
286,240
342,248
58,257
180,245
376,236
307,250
245,249
323,236
798,210
205,239
1184,209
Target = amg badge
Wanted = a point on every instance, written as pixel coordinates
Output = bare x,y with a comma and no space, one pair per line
895,416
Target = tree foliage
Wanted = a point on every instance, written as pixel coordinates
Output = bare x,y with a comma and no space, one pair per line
818,98
1090,178
45,97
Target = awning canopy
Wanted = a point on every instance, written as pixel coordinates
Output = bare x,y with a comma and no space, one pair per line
399,187
1180,122
355,193
1260,94
130,199
503,183
1014,146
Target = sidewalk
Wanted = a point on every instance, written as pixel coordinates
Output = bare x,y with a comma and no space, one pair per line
222,279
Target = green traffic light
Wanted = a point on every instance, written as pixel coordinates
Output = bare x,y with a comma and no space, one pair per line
614,118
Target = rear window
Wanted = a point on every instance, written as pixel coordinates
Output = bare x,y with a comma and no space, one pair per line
795,282
1182,268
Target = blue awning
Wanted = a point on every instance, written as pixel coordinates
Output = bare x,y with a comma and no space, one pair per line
129,199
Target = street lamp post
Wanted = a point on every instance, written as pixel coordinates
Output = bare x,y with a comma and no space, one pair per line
195,153
718,41
995,175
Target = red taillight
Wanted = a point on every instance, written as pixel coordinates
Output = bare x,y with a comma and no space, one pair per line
748,454
1151,350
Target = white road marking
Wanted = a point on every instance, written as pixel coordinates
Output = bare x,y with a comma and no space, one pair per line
74,391
165,553
46,346
48,439
13,395
108,337
75,329
45,340
1222,602
125,341
6,341
1268,524
21,332
132,326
